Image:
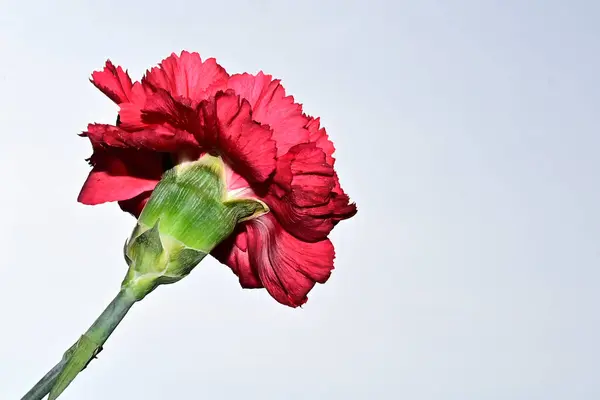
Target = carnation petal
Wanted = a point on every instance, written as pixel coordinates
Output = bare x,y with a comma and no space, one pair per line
221,124
157,139
120,174
187,76
113,82
319,136
135,205
306,196
247,144
272,107
263,254
287,267
233,252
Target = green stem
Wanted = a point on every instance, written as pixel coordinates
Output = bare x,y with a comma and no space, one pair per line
112,316
86,348
42,388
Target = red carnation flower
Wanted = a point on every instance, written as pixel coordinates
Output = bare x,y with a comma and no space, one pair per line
187,107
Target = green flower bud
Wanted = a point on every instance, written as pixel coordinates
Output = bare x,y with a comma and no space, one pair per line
188,214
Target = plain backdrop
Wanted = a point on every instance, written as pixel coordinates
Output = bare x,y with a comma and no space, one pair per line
467,133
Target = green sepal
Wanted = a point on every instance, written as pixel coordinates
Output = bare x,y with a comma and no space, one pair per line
246,209
155,260
146,251
193,207
187,215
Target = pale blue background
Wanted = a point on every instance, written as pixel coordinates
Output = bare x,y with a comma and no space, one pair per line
467,132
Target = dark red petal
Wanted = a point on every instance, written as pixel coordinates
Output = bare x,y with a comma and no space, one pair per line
319,136
305,194
161,108
305,168
265,255
222,124
187,76
158,139
246,144
272,107
233,253
135,205
344,209
287,267
156,108
120,174
113,82
162,119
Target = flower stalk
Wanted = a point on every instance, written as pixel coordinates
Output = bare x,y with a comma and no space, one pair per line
84,350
